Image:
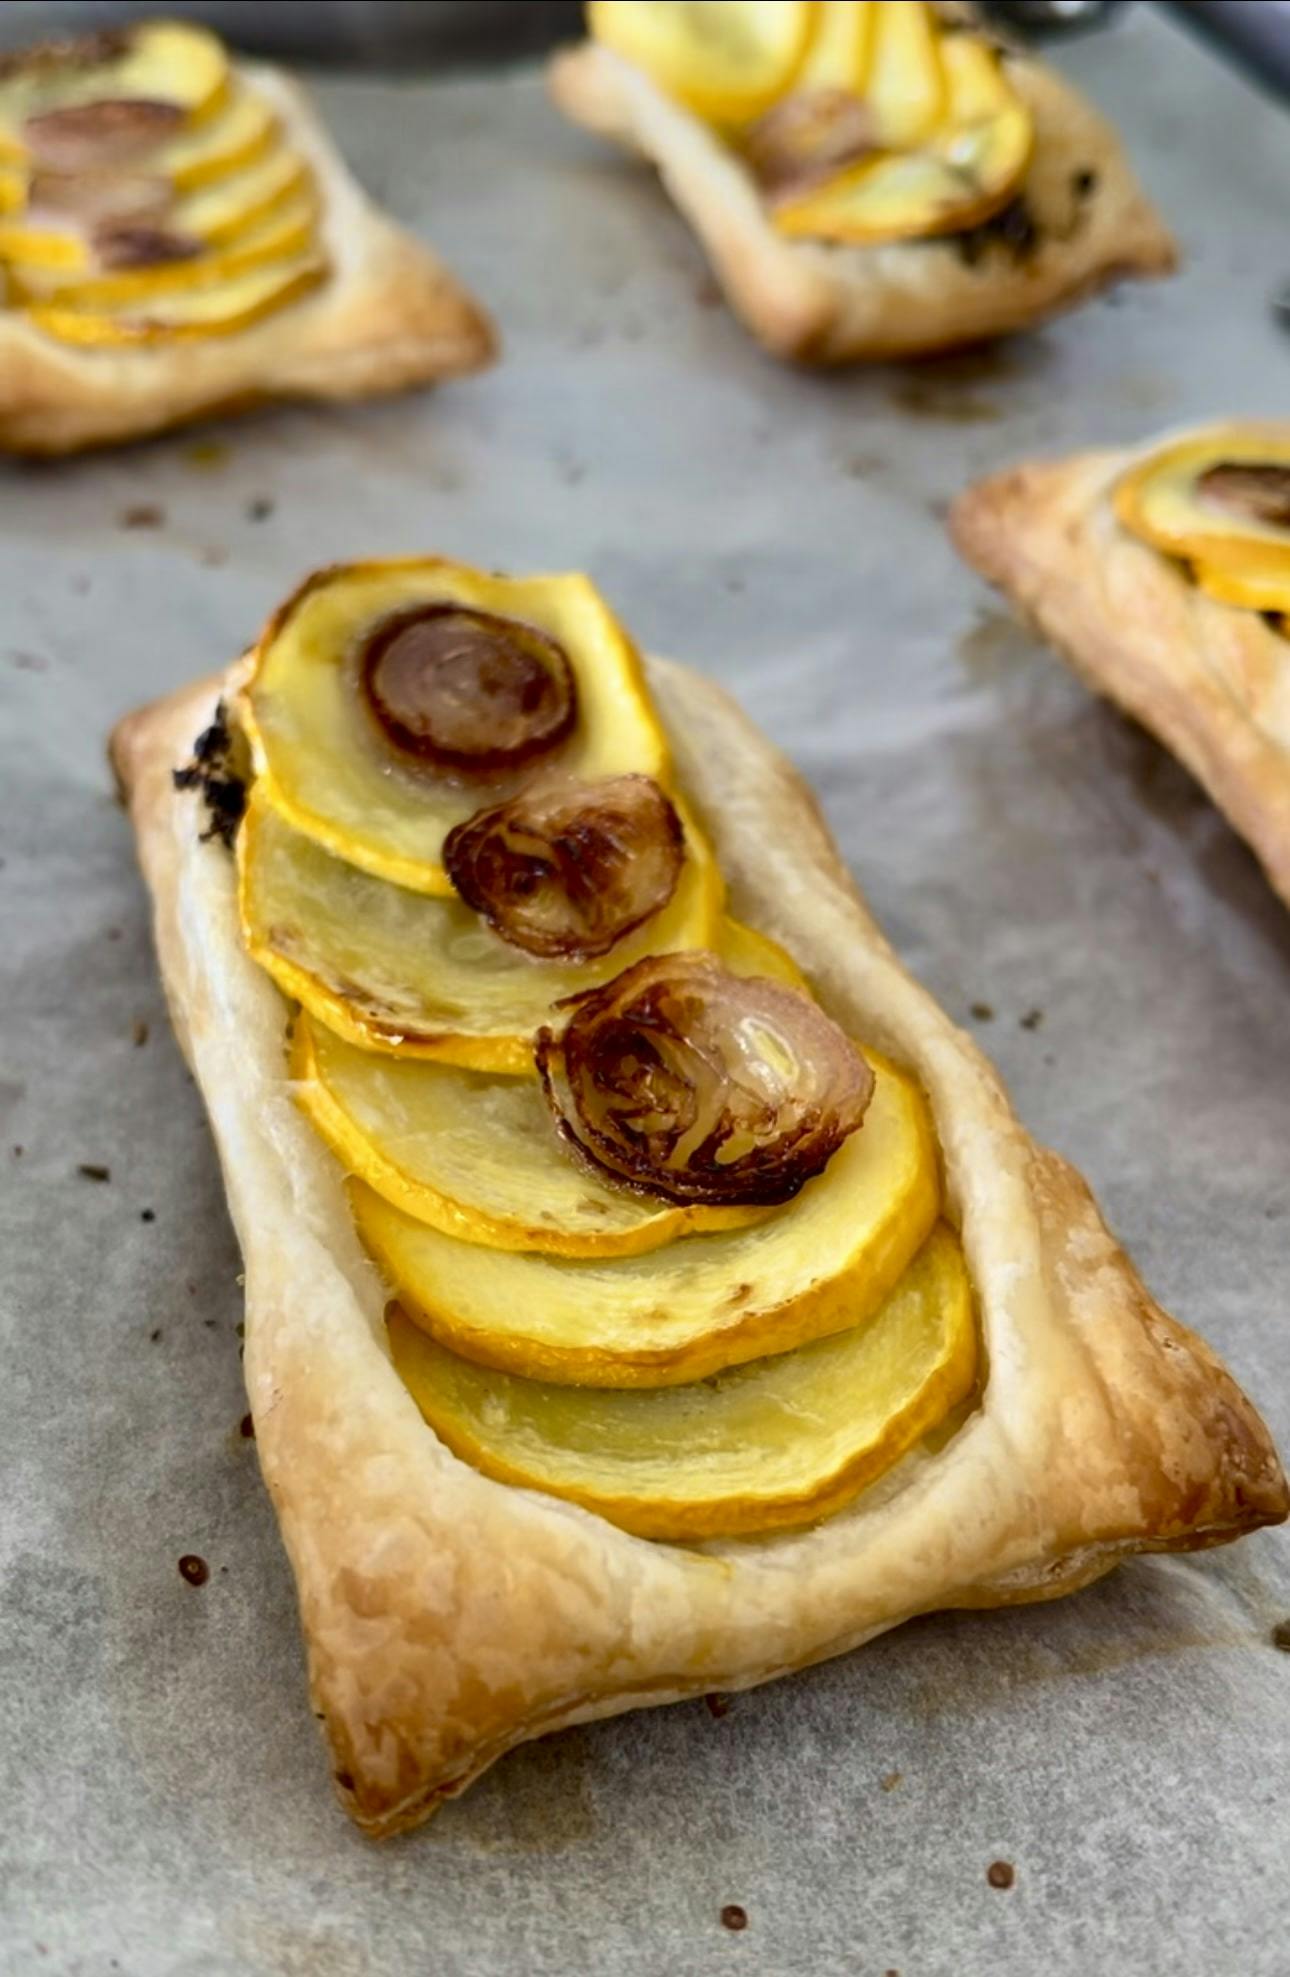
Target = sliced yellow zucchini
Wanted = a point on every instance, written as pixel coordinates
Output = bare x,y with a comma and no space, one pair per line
243,132
728,60
397,970
905,88
221,213
840,47
823,1262
474,1155
325,764
766,1446
186,315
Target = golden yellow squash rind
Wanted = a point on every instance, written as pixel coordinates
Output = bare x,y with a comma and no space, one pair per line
474,1156
327,770
773,1444
820,1264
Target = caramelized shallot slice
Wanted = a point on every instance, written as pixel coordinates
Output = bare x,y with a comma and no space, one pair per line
683,1080
80,137
808,137
1256,490
566,868
466,690
98,198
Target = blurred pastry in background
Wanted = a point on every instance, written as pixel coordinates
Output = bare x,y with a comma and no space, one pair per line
1163,575
179,235
868,180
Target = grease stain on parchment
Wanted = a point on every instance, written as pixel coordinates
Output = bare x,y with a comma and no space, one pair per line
995,647
538,1801
973,1684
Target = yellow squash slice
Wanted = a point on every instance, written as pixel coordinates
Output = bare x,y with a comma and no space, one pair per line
397,970
173,62
1254,576
823,1262
476,1156
905,84
186,315
13,189
781,1442
283,236
840,47
1240,554
322,760
243,132
968,168
221,213
728,60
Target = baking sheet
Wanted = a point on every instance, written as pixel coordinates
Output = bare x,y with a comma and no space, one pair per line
1058,882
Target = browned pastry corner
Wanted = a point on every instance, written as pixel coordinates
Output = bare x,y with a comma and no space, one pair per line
449,1617
1209,679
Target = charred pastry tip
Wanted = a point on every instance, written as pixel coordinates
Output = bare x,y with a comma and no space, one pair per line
214,774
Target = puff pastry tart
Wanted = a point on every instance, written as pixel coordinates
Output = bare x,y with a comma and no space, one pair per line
1163,575
178,234
869,178
649,1290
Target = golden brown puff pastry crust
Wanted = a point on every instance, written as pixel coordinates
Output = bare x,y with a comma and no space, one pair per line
1210,680
825,302
389,316
449,1617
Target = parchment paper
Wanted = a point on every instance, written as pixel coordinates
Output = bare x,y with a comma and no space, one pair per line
1039,862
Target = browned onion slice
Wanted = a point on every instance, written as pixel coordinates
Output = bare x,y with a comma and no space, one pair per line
468,690
569,867
119,246
807,137
98,199
683,1080
83,137
1256,490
